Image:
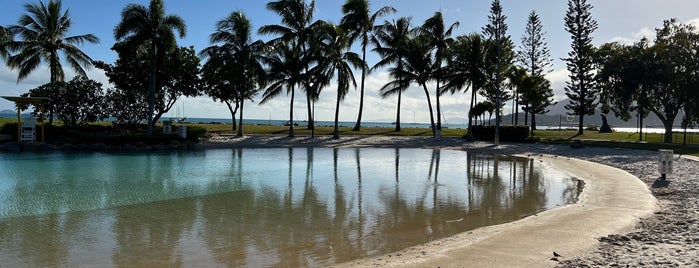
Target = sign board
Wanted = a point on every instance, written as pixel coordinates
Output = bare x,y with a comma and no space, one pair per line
665,162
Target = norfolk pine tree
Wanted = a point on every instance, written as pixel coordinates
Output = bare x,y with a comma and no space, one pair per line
534,54
580,62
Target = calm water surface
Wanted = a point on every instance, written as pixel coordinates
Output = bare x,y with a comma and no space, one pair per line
256,207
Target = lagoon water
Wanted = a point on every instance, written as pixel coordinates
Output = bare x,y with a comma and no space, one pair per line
288,207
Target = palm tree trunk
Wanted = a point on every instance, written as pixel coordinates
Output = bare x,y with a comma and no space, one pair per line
469,131
358,125
311,124
439,110
336,131
240,128
400,92
429,105
291,114
516,108
151,90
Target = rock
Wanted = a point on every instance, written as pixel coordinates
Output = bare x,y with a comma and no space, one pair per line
605,126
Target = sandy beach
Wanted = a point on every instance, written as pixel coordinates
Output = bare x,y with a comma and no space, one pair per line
625,216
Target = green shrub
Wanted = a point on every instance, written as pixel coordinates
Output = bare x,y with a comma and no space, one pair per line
507,133
9,129
194,133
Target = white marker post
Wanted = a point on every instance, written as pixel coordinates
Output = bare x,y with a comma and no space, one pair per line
665,163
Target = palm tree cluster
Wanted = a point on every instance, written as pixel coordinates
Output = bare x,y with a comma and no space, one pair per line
302,53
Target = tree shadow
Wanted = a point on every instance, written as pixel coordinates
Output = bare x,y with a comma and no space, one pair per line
660,183
575,136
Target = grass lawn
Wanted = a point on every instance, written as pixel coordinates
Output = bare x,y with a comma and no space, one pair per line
651,141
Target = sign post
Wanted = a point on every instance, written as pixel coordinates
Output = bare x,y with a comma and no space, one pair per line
665,163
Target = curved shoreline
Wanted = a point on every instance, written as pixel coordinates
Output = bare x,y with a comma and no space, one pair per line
613,202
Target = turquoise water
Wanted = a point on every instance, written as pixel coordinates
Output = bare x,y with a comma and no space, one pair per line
256,207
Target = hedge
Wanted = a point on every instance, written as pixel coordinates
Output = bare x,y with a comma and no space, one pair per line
507,133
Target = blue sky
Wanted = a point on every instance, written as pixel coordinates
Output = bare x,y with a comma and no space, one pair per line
619,20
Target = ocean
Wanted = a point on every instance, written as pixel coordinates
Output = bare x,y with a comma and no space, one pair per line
269,122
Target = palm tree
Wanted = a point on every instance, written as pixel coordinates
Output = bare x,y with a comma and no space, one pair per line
244,57
283,64
42,33
440,38
338,59
467,69
516,76
5,38
150,26
357,17
418,66
390,41
296,29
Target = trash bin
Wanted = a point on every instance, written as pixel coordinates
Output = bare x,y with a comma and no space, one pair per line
665,163
167,127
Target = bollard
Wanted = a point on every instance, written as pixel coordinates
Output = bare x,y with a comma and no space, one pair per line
665,163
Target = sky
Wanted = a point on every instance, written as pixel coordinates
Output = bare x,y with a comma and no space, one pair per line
618,20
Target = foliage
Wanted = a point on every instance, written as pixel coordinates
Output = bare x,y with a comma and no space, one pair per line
581,88
665,70
439,36
337,62
42,35
140,27
675,49
499,57
537,95
76,103
296,32
516,78
534,55
360,23
466,68
234,69
178,77
126,102
5,37
481,108
390,42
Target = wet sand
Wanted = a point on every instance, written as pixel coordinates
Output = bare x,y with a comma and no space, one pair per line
625,216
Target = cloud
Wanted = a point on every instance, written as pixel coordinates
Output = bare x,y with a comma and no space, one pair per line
646,32
694,22
558,79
